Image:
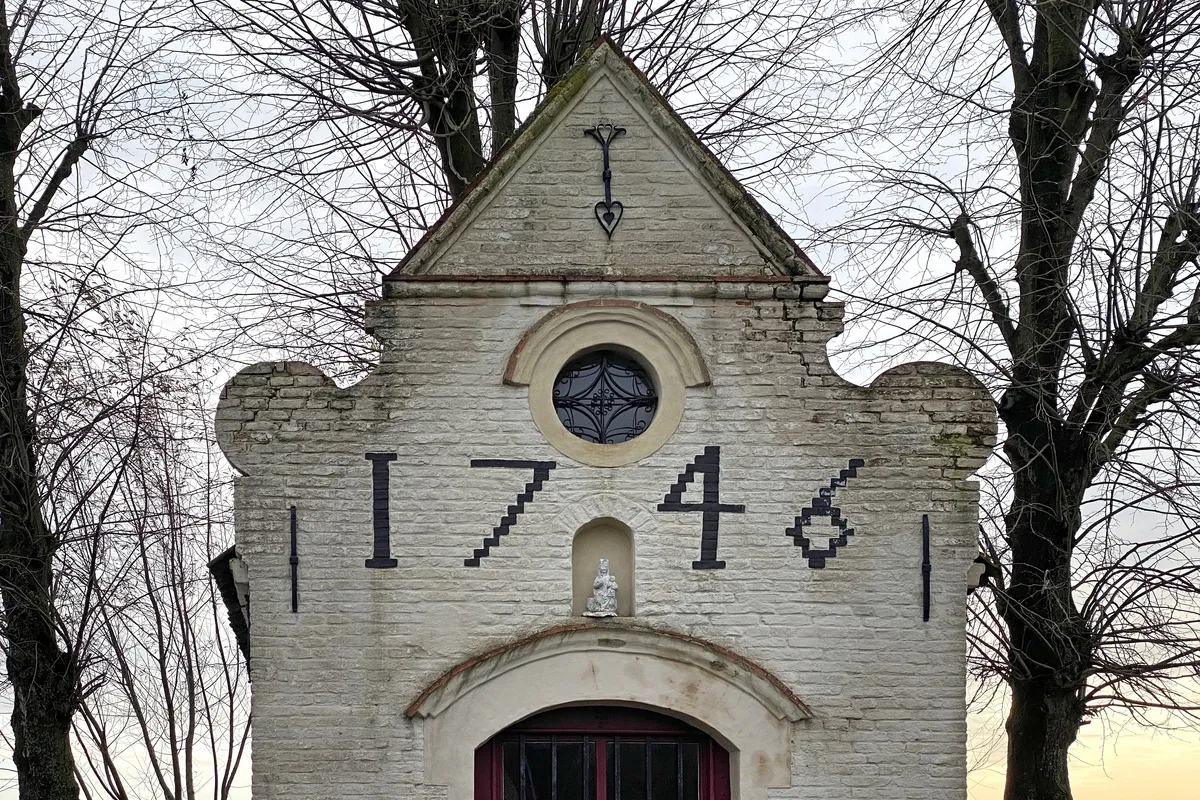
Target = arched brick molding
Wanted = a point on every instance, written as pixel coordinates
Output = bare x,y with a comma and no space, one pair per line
621,319
740,704
660,343
607,504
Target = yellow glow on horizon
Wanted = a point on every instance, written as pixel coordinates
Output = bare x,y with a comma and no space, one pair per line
1106,764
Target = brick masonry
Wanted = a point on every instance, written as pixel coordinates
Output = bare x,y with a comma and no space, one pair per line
331,682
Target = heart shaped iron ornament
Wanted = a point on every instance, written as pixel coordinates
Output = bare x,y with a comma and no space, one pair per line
608,211
609,216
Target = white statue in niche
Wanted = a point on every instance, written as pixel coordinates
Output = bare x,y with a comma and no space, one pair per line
603,602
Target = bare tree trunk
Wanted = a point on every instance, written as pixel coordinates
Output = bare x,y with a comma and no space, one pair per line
1049,639
567,31
503,51
43,676
1047,663
1042,725
446,40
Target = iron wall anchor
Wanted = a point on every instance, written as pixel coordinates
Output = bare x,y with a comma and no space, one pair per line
294,561
608,211
926,567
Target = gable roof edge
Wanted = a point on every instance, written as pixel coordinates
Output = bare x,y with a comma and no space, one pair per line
781,249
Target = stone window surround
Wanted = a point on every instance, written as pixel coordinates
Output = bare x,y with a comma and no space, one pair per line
742,706
659,341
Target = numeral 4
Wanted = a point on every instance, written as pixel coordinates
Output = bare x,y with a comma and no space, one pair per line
707,464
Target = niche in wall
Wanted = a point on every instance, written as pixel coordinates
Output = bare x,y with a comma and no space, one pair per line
602,538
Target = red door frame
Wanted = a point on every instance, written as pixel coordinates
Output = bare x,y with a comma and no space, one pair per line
602,723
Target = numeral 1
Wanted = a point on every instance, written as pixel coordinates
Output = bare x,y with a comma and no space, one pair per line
382,558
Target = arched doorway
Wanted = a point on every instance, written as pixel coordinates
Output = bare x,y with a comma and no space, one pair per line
601,753
746,709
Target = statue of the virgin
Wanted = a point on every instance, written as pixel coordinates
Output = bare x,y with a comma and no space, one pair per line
603,602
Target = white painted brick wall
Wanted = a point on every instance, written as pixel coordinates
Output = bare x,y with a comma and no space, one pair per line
331,682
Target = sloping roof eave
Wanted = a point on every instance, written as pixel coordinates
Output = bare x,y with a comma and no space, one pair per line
782,249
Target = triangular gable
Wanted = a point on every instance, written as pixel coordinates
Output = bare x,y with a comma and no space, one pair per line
532,212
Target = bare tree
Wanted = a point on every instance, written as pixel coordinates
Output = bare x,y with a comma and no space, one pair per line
1031,175
138,509
169,715
358,122
131,505
85,93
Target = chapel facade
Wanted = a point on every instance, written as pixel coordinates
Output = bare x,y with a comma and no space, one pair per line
604,524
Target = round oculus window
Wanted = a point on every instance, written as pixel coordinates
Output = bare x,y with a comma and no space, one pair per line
605,397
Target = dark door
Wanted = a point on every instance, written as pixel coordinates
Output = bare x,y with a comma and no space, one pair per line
601,753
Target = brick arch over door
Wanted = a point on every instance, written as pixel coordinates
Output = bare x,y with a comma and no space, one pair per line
742,706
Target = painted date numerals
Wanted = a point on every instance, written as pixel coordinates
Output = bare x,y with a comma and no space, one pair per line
541,474
707,464
382,557
822,506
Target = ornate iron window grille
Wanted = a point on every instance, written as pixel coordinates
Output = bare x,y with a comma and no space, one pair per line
570,767
605,397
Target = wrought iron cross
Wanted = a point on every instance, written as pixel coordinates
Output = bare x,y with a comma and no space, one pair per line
608,211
